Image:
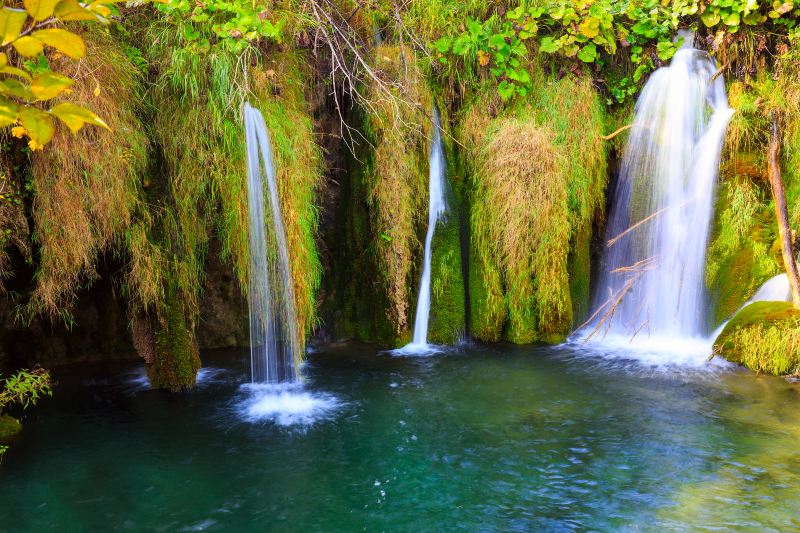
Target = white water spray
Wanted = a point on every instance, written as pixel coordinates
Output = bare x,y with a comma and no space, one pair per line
274,346
663,205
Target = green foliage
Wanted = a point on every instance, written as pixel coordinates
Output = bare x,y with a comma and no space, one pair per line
497,44
25,388
234,24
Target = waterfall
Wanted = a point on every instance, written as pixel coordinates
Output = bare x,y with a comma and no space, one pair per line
652,280
274,346
437,206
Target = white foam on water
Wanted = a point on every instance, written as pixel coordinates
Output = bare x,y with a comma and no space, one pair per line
285,404
414,349
662,353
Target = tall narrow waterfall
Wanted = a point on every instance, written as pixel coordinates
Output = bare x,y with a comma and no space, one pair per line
652,277
437,206
273,332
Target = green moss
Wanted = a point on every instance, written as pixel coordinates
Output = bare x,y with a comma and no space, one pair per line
764,336
447,283
177,356
9,426
579,264
531,219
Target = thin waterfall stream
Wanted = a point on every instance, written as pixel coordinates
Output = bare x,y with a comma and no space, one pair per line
652,277
437,207
274,346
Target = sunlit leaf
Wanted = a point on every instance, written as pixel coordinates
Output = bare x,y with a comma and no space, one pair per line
11,22
72,10
12,87
14,71
8,112
75,116
38,123
40,9
49,85
28,46
66,42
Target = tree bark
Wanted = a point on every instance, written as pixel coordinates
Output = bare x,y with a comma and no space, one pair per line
781,213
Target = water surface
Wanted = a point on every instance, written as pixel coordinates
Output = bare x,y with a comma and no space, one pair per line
475,439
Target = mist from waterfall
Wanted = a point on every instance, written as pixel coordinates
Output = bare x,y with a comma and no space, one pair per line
274,341
652,275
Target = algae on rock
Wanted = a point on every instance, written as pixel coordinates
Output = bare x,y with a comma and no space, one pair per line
764,336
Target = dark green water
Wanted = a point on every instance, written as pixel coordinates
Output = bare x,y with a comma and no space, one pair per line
485,439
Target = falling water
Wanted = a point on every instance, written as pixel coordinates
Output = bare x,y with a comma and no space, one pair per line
273,335
437,207
663,203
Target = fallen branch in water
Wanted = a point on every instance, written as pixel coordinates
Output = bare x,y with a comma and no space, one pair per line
613,241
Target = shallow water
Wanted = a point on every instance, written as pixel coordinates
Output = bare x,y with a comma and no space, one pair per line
475,439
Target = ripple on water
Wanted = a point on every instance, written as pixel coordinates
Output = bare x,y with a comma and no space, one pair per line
285,404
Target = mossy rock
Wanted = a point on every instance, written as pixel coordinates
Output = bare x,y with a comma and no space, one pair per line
177,355
764,336
447,316
9,426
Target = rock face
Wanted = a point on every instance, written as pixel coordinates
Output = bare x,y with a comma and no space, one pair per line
764,336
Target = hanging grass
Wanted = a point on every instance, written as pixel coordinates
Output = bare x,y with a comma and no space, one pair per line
538,173
396,180
199,127
88,186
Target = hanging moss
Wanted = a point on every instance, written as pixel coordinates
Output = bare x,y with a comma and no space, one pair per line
765,337
177,358
526,211
88,186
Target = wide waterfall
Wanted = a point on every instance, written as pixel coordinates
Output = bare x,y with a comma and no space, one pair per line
652,276
437,206
274,346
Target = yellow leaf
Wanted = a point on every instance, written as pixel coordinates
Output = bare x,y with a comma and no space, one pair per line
8,113
40,9
13,87
75,116
69,10
11,22
49,85
66,42
102,10
3,60
28,46
17,132
14,71
97,90
33,145
38,123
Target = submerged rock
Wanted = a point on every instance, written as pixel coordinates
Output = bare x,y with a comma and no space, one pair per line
764,336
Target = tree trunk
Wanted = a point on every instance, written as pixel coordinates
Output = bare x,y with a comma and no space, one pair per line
785,232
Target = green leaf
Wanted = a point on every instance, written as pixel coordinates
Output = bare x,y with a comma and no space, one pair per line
497,40
40,9
49,85
72,10
548,46
28,46
75,116
38,123
505,90
443,45
11,22
68,43
590,28
710,19
588,53
8,112
16,88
